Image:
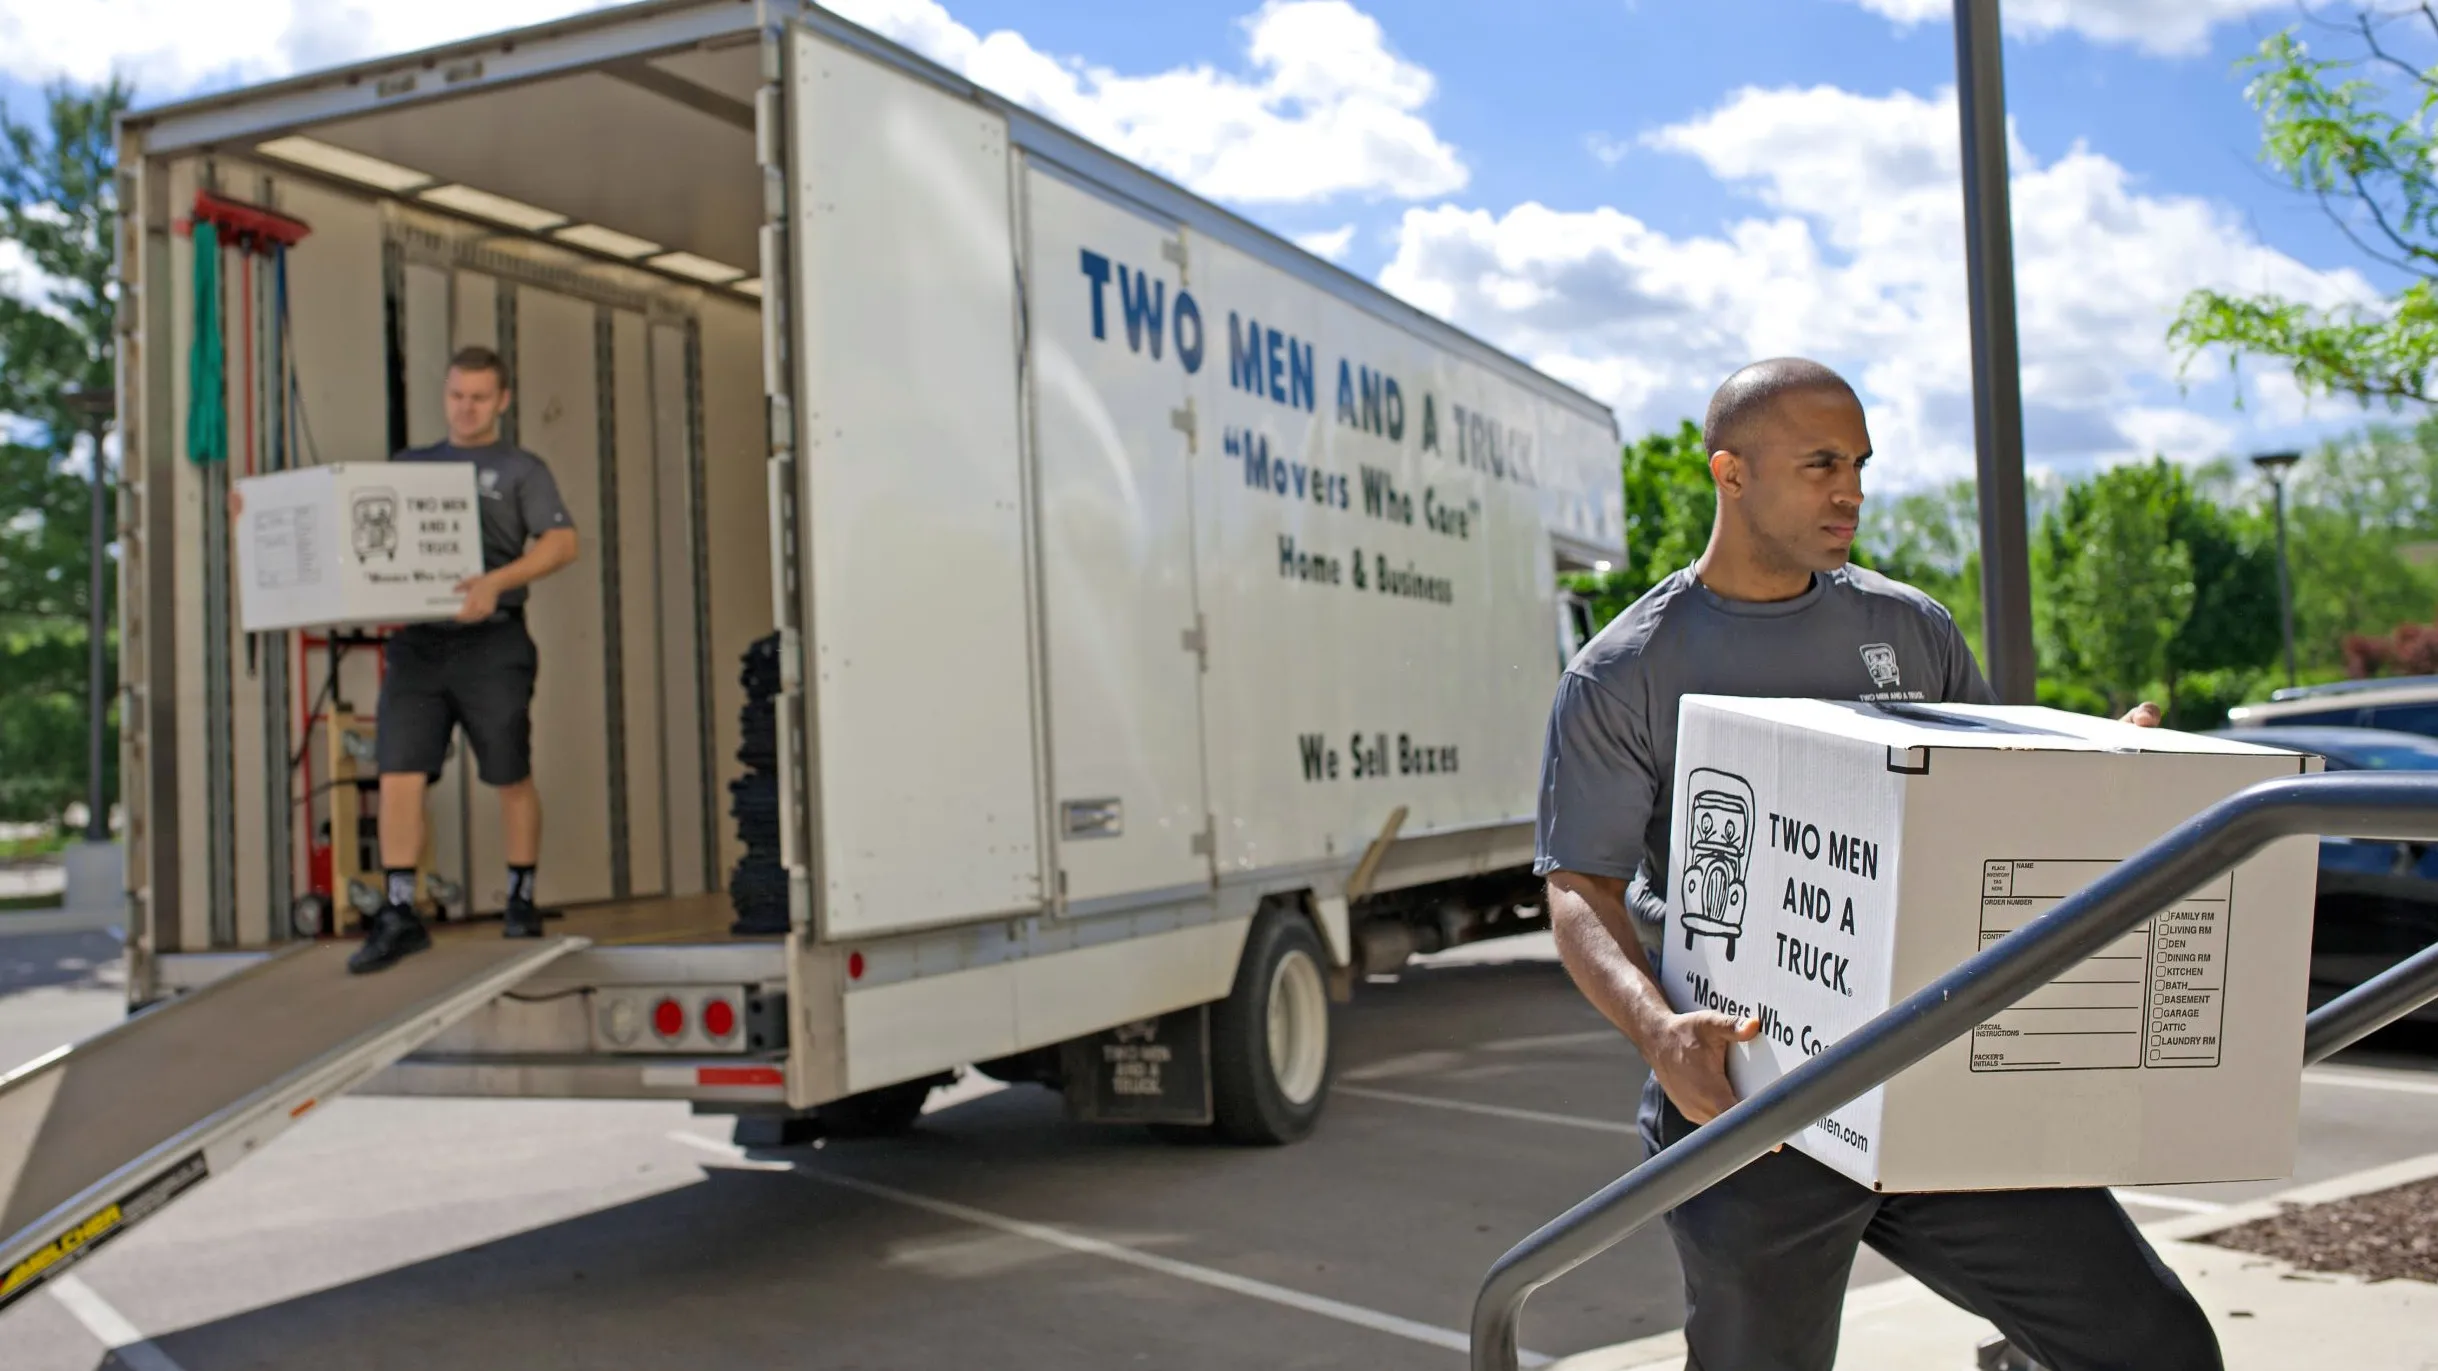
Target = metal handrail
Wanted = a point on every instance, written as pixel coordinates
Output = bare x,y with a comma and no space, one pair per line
2398,808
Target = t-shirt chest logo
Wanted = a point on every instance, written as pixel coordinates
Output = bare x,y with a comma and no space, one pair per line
488,479
1880,660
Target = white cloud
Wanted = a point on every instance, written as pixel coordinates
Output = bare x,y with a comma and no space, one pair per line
23,281
1858,259
2161,26
1608,151
171,47
1329,110
1326,109
1329,243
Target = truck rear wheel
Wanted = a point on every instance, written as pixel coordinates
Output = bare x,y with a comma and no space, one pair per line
1271,1055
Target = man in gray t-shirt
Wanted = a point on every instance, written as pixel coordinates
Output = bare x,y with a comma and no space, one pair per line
476,674
1772,609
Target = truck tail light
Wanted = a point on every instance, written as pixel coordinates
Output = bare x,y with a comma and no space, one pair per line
719,1019
669,1018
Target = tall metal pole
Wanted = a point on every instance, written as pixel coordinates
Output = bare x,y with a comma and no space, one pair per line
1997,381
2285,582
97,696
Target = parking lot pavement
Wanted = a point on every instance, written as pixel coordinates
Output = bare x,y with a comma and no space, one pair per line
1478,1096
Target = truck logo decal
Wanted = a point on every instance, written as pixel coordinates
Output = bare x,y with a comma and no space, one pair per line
1880,660
1719,821
373,519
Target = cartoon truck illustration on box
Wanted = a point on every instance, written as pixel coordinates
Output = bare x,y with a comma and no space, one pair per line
1718,853
373,523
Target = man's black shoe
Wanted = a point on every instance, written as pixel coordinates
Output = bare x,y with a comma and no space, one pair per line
522,920
395,932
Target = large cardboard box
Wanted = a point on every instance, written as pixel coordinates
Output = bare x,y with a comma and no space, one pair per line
356,543
1831,858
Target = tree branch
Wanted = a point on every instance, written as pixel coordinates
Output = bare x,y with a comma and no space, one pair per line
2379,216
2370,38
2356,239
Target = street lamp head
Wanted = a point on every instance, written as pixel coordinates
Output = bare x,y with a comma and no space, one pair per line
91,401
2274,465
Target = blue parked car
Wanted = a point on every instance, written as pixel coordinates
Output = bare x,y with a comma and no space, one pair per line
2378,901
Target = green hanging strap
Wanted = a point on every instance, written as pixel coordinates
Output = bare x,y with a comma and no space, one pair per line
207,387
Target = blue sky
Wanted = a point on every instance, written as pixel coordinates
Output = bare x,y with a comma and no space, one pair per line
1633,194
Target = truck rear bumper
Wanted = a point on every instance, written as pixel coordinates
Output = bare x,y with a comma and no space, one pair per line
705,1080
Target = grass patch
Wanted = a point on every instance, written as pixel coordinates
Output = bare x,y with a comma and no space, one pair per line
18,903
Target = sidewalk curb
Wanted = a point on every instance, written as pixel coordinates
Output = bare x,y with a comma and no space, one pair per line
2344,1187
26,922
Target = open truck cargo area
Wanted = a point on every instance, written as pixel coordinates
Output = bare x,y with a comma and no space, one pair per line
1164,620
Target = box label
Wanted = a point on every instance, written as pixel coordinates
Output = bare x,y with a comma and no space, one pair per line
2153,998
286,553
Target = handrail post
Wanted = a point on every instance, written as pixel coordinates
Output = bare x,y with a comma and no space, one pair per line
2394,807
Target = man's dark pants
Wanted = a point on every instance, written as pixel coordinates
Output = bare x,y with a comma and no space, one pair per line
443,677
2062,1273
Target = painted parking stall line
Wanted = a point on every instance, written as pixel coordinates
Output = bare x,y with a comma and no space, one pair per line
109,1327
1395,1325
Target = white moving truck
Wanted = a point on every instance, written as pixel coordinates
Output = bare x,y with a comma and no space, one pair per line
1167,619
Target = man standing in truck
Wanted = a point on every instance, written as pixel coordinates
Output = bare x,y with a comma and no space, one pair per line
1773,609
476,673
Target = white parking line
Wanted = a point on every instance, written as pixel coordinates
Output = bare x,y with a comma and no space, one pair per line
1495,1111
2370,1078
109,1326
1343,1312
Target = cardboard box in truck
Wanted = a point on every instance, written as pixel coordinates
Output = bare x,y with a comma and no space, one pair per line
1831,858
356,543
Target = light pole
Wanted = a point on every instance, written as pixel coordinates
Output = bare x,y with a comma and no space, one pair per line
96,407
2274,465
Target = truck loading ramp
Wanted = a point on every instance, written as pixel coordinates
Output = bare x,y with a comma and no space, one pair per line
95,1138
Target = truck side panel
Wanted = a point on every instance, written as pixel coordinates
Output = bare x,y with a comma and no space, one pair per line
1117,552
918,637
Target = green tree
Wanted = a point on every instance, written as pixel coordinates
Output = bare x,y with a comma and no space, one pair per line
58,209
1931,540
2354,131
2141,580
1669,504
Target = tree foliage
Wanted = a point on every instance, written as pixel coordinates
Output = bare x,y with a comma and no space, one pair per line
1669,503
2353,131
58,210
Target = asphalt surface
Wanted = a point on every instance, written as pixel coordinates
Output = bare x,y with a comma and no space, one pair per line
1478,1096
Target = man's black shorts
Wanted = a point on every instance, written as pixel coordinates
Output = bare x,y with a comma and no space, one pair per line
441,677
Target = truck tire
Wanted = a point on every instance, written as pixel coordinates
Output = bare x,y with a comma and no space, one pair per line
1271,1054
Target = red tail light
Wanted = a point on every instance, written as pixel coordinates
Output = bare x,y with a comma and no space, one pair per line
668,1018
719,1019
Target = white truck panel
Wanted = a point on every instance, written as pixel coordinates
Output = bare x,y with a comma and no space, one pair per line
918,658
1375,571
1117,554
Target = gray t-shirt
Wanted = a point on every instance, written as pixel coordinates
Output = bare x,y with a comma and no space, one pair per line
1609,764
518,499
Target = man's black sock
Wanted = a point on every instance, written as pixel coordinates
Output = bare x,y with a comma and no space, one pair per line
520,883
401,885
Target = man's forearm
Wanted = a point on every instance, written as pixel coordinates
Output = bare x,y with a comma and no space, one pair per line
540,560
1597,943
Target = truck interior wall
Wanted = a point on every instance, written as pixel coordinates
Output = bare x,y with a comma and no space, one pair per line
643,816
557,394
688,847
736,496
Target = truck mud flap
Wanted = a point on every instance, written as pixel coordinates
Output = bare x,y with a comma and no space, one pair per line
1153,1071
97,1137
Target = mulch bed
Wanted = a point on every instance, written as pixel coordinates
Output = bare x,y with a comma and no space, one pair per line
2384,1235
